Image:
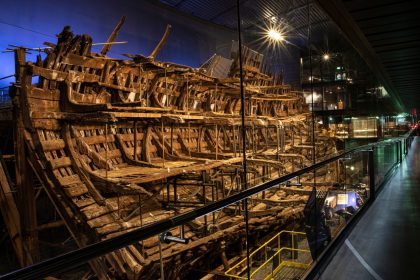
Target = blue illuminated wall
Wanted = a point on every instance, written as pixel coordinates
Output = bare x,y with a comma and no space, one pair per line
30,23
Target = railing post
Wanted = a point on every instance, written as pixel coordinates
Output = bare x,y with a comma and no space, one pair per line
371,170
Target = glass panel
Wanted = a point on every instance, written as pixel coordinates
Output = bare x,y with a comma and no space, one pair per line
121,142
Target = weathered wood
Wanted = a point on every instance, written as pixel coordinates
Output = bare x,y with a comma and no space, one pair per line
112,37
161,42
59,162
119,144
50,145
11,217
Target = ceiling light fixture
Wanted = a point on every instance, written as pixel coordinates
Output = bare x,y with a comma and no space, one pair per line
275,35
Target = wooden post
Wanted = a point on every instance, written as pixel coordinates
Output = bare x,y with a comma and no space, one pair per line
293,136
141,222
278,142
239,139
172,138
234,140
204,198
24,174
300,136
163,145
175,192
10,214
212,200
106,150
166,90
189,139
188,94
266,138
253,141
217,140
168,191
135,141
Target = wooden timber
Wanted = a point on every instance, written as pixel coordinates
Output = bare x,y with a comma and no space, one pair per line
119,144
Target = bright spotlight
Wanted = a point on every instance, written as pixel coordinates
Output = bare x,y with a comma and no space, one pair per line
326,57
275,35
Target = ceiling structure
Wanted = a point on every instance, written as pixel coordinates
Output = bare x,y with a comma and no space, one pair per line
254,13
392,28
386,33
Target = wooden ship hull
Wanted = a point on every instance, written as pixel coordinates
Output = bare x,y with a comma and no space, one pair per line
118,144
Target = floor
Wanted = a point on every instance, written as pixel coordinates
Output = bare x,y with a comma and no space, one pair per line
385,244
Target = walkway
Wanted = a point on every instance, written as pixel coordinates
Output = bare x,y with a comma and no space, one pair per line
385,244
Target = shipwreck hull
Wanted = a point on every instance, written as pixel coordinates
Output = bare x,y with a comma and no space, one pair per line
119,144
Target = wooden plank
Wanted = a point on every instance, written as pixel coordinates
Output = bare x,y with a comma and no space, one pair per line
81,203
101,221
49,124
96,139
68,180
130,136
89,62
55,75
94,210
36,104
59,162
50,145
41,93
135,115
110,154
76,190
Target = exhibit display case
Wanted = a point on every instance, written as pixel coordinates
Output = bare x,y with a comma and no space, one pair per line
366,127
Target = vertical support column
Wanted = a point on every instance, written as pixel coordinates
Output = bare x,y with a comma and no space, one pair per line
266,138
234,140
217,140
189,139
172,138
278,142
175,191
135,141
253,141
371,169
293,136
163,144
24,174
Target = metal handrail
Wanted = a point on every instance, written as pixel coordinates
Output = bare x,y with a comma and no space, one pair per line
268,260
80,256
261,247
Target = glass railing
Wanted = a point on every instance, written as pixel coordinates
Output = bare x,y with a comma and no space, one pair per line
386,158
276,229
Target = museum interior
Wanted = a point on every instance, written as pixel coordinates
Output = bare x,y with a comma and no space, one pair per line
197,139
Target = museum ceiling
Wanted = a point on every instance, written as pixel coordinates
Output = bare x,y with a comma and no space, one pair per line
391,33
385,32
